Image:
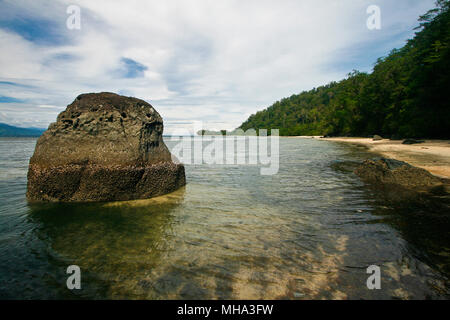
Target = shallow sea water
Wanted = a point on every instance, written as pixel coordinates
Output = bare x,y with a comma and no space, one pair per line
309,232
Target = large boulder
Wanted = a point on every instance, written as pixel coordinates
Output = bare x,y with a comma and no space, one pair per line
103,147
382,171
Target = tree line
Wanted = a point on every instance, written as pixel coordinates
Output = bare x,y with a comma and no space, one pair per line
406,94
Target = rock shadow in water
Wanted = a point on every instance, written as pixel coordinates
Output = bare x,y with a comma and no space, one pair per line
115,244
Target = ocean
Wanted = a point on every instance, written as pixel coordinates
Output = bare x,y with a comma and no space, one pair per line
308,232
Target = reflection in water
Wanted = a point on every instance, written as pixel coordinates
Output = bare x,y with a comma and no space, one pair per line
113,242
308,232
424,222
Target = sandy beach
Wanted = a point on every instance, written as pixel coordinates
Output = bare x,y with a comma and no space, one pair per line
432,155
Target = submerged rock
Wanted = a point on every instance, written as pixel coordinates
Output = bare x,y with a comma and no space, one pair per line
345,165
103,147
412,141
382,171
377,138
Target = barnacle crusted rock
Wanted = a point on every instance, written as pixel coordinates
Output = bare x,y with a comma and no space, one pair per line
103,147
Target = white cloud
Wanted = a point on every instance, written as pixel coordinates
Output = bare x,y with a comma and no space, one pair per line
215,61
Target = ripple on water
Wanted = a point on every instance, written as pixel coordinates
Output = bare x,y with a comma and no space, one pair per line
308,232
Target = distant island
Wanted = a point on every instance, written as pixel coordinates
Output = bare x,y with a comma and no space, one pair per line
211,133
235,132
11,131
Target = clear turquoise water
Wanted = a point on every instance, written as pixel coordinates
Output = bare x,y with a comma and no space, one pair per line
308,232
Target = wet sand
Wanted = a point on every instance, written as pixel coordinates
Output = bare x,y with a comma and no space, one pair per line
432,155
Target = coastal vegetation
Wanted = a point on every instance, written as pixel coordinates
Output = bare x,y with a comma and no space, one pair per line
406,94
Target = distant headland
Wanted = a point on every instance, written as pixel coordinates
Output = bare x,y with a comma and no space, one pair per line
12,131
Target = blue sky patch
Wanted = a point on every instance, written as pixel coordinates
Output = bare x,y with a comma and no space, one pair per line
131,68
35,30
14,84
25,20
4,99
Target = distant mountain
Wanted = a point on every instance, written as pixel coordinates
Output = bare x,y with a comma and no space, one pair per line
11,131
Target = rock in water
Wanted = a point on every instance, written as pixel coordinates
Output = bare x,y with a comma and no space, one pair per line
377,138
103,147
412,141
382,171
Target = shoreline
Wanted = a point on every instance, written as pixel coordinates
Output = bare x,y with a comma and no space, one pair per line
432,155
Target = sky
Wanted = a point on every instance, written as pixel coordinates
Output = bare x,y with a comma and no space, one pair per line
197,61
